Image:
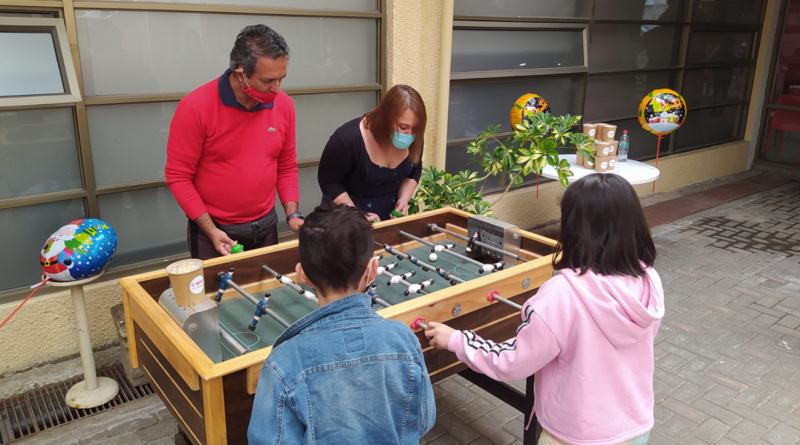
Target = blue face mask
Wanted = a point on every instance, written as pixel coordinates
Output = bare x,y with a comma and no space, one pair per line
402,140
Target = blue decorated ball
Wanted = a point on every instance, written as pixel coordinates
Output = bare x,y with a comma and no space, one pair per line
78,250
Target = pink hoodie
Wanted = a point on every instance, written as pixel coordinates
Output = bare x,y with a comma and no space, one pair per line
589,339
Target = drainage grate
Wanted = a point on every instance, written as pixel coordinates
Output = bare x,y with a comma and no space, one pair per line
26,414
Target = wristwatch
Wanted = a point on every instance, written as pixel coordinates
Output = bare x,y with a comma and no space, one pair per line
294,215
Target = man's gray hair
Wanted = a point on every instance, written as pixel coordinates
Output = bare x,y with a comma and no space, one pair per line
257,41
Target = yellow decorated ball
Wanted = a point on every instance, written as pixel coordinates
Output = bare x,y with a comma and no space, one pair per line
526,106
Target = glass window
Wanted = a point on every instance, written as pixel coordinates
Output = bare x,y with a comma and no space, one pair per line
611,97
25,230
459,160
707,47
181,51
727,11
713,86
479,50
316,120
39,74
667,10
627,47
521,8
133,135
476,105
787,70
338,5
782,136
36,66
643,143
149,224
709,126
38,152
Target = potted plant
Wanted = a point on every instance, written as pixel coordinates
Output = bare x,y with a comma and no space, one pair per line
535,142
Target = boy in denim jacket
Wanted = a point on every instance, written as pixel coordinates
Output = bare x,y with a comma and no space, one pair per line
342,374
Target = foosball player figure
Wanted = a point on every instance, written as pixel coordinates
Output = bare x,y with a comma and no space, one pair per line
343,373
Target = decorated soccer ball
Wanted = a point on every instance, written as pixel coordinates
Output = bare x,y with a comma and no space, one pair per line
78,250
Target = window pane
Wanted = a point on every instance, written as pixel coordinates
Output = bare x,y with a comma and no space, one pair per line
316,123
130,135
639,10
149,224
719,47
781,137
627,47
609,97
709,127
787,71
338,5
310,196
713,86
30,65
459,160
25,230
477,50
476,105
38,152
727,11
521,8
181,51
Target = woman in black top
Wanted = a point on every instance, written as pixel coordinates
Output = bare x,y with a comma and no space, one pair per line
374,162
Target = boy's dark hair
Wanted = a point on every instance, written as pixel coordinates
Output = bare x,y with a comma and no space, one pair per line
603,228
335,246
256,41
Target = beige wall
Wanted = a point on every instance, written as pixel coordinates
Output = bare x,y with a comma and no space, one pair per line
44,330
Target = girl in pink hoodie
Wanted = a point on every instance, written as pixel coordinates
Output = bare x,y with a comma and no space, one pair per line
588,332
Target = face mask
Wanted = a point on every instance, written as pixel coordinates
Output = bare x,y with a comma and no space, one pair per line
258,96
402,140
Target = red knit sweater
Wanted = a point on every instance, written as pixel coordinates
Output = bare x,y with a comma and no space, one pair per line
227,161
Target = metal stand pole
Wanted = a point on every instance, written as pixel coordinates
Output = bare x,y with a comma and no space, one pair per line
93,391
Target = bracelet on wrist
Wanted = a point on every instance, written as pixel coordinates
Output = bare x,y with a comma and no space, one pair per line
293,216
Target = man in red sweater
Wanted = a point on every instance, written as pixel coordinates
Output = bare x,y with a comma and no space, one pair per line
232,146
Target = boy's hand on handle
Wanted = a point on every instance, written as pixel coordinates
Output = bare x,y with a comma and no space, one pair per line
439,334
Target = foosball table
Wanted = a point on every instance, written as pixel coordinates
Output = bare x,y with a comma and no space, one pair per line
444,265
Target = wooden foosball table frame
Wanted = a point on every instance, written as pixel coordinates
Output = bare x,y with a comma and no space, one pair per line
212,401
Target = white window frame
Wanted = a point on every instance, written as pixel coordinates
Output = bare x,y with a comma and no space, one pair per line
69,78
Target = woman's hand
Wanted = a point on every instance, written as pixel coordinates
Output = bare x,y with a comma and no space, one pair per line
372,217
439,335
401,206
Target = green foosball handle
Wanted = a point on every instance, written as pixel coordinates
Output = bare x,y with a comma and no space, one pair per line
237,248
396,213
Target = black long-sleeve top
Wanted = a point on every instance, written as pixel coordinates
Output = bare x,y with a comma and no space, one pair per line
345,166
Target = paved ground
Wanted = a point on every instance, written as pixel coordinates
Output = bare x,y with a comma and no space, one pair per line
727,355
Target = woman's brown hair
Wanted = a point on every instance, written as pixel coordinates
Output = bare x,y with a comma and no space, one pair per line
380,121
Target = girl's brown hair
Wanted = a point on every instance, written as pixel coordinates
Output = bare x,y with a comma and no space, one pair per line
380,121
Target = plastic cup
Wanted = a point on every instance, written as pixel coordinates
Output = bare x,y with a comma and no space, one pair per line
186,277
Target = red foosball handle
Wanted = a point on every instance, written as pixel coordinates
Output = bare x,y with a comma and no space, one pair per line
415,324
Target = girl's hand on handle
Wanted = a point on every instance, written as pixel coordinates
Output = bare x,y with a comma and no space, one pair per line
439,334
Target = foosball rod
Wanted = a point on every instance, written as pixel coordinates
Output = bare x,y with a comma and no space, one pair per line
377,298
288,282
233,342
436,228
394,279
262,306
496,296
416,261
481,267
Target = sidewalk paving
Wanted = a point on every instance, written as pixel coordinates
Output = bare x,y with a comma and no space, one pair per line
727,354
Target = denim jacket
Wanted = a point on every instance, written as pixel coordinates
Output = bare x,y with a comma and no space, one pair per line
343,374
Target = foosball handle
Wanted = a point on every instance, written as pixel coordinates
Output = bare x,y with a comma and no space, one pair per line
419,323
493,294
